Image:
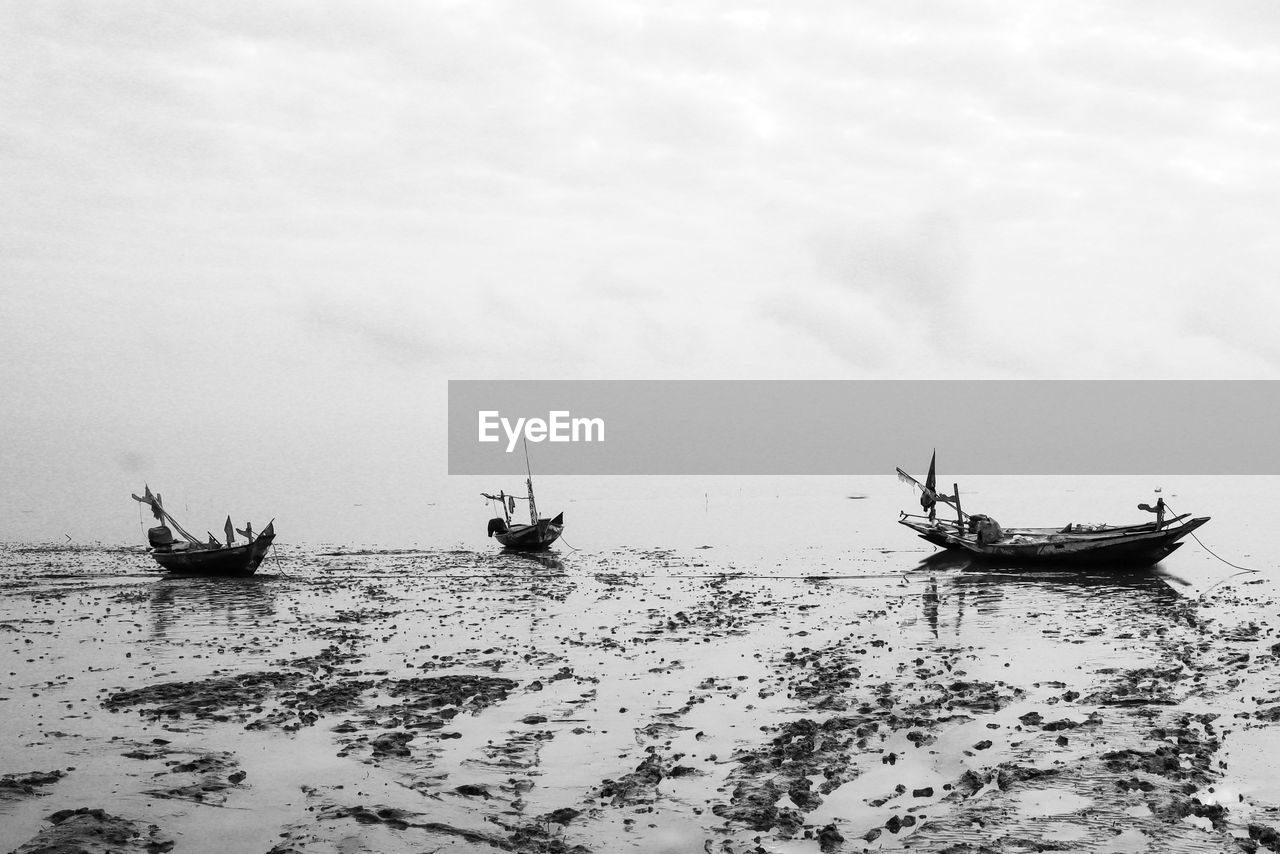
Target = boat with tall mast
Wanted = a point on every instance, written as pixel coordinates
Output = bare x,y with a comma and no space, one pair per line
203,557
538,535
981,537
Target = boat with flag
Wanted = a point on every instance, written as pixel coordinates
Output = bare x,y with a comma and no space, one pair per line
538,535
203,557
982,537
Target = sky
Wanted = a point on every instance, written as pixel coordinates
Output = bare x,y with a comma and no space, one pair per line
245,245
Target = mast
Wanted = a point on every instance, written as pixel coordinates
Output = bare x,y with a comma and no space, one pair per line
533,507
157,510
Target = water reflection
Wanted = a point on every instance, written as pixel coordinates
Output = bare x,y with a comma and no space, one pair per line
549,560
528,581
1146,586
203,603
931,601
963,569
943,603
952,592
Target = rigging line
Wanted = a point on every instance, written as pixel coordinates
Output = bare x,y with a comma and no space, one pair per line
1219,557
1211,551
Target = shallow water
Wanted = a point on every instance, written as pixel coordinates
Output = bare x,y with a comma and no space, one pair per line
763,671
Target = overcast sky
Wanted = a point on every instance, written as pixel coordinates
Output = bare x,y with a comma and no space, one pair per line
243,246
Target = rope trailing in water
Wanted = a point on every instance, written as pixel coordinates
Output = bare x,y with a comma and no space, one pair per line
1244,570
1224,581
1211,551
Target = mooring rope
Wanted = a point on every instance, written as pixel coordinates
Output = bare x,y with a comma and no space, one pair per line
1244,570
1211,551
1224,581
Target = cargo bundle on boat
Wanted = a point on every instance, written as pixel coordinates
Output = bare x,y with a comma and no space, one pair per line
204,557
982,537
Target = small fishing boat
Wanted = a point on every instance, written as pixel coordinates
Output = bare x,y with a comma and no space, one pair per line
537,536
196,557
980,536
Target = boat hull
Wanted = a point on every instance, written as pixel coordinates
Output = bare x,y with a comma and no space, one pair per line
234,560
1129,546
532,538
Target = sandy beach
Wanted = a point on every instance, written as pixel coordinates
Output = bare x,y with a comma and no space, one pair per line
416,700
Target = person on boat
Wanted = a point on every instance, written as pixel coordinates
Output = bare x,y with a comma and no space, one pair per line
987,529
160,538
1158,510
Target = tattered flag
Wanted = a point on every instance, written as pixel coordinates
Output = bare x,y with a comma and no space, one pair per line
928,495
229,531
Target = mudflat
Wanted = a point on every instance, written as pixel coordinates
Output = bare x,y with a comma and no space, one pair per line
645,700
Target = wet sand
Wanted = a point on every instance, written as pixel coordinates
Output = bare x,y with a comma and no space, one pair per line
414,701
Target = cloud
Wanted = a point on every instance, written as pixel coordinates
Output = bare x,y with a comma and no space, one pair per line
133,462
397,335
854,330
1239,323
401,172
917,266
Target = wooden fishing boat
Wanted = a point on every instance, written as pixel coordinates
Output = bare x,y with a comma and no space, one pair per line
981,537
195,557
537,536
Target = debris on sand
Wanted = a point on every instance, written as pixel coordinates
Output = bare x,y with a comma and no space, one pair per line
464,692
650,706
93,831
218,699
639,786
204,777
31,783
539,835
